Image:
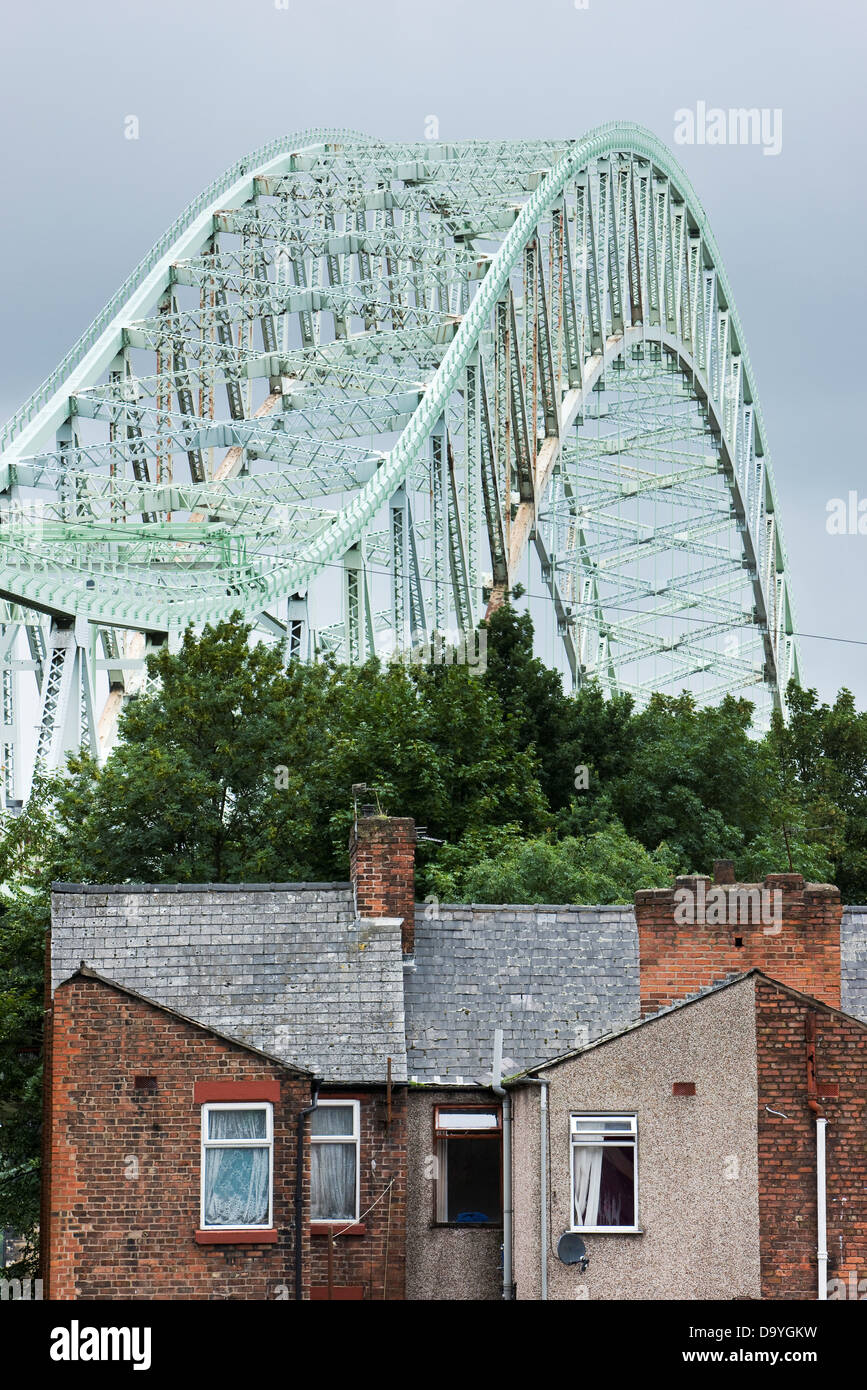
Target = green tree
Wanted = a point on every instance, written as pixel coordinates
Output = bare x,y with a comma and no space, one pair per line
236,768
694,780
820,757
183,795
532,698
26,863
605,867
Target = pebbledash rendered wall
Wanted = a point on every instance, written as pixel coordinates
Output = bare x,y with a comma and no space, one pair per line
443,1262
700,1231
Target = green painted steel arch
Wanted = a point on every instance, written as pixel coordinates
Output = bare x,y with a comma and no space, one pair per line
36,418
613,137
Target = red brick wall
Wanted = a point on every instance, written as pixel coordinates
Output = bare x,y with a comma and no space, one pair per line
677,959
45,1142
382,868
787,1147
372,1264
116,1237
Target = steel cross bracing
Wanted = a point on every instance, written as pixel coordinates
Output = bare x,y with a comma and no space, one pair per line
360,390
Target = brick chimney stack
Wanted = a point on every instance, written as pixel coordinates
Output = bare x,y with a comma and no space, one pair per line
382,869
700,931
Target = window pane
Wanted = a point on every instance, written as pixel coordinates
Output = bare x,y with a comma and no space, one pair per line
332,1182
467,1119
237,1124
473,1180
604,1185
602,1124
237,1183
332,1119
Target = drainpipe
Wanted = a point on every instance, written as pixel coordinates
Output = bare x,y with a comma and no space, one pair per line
543,1084
299,1185
822,1252
499,1090
821,1122
543,1184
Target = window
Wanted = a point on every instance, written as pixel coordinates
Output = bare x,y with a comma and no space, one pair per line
334,1160
469,1166
237,1165
604,1172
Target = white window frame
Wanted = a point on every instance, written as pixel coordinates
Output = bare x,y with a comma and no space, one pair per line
263,1143
629,1137
353,1138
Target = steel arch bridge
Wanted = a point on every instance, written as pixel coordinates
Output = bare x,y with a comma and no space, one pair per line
358,391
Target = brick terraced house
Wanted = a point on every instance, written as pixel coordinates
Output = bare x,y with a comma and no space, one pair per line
311,995
296,1090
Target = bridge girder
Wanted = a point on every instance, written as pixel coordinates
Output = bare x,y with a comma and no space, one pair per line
360,390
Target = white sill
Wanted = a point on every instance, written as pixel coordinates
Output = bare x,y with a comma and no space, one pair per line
266,1226
607,1231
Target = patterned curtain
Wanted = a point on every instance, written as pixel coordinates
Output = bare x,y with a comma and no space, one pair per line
237,1181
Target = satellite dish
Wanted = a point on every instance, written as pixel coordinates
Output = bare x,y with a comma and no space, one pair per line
571,1250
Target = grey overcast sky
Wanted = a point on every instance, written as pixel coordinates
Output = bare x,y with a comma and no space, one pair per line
209,80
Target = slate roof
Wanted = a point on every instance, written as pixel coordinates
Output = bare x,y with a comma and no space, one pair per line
550,977
853,963
286,968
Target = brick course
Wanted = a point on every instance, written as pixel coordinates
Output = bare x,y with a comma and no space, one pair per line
787,1143
382,869
678,959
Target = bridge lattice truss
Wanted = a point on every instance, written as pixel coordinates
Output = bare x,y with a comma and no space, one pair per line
359,390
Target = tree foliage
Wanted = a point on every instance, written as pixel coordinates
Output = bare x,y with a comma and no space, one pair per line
25,872
606,866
